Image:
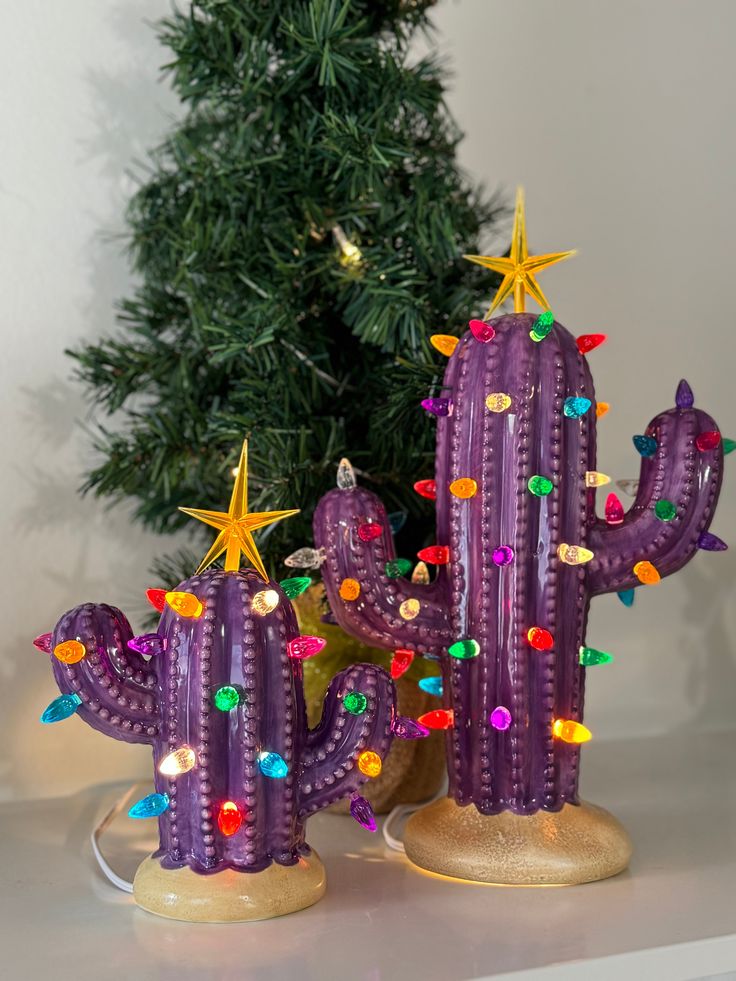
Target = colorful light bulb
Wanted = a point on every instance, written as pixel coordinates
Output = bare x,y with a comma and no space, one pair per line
481,331
149,806
595,479
432,686
646,573
589,656
305,646
345,475
157,598
574,554
305,558
540,486
601,409
395,568
614,510
61,708
264,601
426,488
355,702
463,650
729,445
401,662
500,718
404,728
227,698
589,342
272,765
645,445
576,406
369,531
570,732
369,763
150,645
498,401
503,555
397,520
437,719
444,343
349,590
464,488
420,573
362,812
711,543
409,609
540,639
435,554
178,761
185,604
229,818
684,398
542,326
43,643
665,510
438,406
70,651
626,596
295,586
708,440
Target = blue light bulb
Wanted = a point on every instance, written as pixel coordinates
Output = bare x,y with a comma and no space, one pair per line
61,708
272,765
150,806
433,686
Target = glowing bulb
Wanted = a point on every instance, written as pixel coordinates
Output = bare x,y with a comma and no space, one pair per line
150,806
665,510
369,531
481,331
43,643
180,760
503,555
70,651
355,702
464,649
350,255
404,728
395,568
305,646
401,662
711,543
437,719
227,698
588,342
264,601
684,398
305,558
349,590
645,445
626,596
150,645
438,406
589,656
397,520
185,604
444,343
61,708
614,510
498,401
409,609
362,812
500,718
542,326
369,763
595,479
708,440
436,554
157,598
576,406
432,686
646,573
272,765
574,554
295,586
540,639
235,471
570,732
346,475
540,486
464,488
229,818
426,488
601,409
420,574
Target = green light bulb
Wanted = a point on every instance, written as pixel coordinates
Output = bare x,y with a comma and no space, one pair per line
295,586
355,702
590,656
665,510
464,649
398,567
540,486
227,698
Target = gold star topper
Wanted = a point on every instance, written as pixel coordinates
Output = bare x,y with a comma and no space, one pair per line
235,525
519,268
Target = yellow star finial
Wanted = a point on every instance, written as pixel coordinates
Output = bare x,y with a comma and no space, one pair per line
235,525
519,268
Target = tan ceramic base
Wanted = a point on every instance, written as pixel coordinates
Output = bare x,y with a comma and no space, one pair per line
229,897
577,844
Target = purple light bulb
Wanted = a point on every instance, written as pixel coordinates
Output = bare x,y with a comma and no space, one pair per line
500,718
503,555
711,543
362,811
438,406
148,644
404,728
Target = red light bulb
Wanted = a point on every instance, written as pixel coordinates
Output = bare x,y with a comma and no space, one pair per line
43,643
437,719
540,639
614,510
708,440
481,331
157,598
370,531
229,818
588,342
426,488
401,662
435,554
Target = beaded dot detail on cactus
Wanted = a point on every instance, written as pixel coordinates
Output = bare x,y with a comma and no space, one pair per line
500,718
464,488
369,531
540,486
435,554
481,331
665,510
185,604
573,554
355,702
645,445
576,406
369,763
264,602
272,765
432,686
229,818
62,707
395,568
295,586
178,761
349,590
70,651
646,573
227,698
43,642
595,479
540,639
401,662
150,806
589,656
409,609
444,343
503,555
463,650
570,732
498,401
150,645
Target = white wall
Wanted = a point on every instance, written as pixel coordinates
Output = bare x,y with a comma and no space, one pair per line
617,118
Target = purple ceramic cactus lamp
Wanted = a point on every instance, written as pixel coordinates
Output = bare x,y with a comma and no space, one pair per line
217,693
520,554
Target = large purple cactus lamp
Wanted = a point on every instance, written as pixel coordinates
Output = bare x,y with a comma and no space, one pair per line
217,693
519,555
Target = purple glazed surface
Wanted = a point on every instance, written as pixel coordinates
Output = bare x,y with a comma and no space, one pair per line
523,768
168,702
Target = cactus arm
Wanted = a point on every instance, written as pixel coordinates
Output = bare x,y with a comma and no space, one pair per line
678,472
374,616
116,685
329,767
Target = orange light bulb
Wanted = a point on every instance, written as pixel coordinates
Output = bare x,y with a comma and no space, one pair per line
570,732
601,409
70,651
464,488
646,573
349,589
185,604
369,763
444,343
229,818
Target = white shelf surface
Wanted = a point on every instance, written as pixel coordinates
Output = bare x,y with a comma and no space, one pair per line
671,916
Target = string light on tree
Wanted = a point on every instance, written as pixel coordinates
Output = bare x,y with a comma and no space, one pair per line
444,343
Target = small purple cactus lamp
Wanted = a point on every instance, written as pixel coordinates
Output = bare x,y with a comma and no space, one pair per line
217,692
520,554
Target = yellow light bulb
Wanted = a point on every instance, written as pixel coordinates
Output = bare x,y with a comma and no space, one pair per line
409,609
420,573
574,554
179,761
570,732
498,401
464,487
264,602
646,573
444,343
185,604
601,409
369,763
595,479
70,651
349,589
350,254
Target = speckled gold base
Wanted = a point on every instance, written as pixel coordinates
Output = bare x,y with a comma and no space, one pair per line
228,896
577,844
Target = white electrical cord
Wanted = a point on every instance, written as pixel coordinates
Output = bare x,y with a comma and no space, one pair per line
97,833
404,810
